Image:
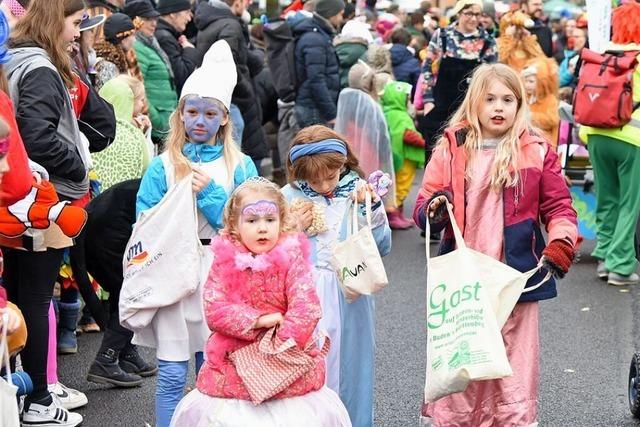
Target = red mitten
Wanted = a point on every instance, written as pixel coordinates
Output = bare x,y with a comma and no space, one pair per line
558,257
413,138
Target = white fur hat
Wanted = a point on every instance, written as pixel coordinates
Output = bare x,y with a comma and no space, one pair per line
217,76
356,30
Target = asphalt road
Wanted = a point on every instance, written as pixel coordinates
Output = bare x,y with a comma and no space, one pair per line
588,335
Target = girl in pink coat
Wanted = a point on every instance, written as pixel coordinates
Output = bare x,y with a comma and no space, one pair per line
504,183
261,278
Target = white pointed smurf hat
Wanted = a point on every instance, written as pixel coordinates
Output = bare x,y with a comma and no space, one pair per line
217,76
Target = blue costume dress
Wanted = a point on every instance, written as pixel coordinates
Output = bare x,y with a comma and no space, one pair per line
351,326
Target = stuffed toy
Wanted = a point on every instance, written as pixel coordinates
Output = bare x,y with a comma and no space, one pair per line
38,210
541,85
517,46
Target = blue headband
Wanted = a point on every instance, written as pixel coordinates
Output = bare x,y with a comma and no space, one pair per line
324,146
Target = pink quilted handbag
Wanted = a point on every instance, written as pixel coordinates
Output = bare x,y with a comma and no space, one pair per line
269,365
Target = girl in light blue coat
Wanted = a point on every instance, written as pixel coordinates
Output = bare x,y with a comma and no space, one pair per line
323,170
201,143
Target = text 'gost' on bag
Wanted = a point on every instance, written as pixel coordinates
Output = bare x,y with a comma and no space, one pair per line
357,259
163,258
603,97
8,401
469,299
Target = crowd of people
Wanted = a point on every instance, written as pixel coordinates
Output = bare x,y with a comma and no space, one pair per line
285,131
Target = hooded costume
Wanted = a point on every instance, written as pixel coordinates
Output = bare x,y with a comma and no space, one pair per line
128,157
543,104
516,50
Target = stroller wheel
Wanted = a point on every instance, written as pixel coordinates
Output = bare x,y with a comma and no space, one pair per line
634,385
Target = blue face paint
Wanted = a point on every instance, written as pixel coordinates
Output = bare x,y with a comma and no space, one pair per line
202,118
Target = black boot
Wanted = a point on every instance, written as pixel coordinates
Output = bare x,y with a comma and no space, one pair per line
106,370
132,362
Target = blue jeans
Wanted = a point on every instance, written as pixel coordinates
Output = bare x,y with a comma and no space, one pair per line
238,123
172,379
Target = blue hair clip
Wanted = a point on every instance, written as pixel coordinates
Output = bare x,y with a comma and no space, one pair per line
4,36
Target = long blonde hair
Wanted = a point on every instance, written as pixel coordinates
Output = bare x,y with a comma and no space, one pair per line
178,136
504,172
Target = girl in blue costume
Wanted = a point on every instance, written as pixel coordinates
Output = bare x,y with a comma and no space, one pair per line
323,170
201,142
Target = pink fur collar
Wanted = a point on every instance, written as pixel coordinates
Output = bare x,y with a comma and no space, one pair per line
234,256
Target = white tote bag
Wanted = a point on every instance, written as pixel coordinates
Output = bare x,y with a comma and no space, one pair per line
8,404
162,260
469,298
357,259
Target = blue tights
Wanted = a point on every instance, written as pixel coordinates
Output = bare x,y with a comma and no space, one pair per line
172,379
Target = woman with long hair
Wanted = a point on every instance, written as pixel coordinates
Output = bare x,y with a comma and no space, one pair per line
40,77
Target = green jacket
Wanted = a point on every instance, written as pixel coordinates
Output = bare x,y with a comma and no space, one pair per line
348,54
160,89
394,101
630,132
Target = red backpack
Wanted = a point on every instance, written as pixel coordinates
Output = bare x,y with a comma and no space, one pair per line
604,96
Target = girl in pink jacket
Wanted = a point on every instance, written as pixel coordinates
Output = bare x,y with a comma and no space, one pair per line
504,183
261,278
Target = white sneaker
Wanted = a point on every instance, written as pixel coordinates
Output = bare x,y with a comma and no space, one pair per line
68,397
50,416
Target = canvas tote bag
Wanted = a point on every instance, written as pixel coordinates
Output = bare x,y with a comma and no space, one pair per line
357,259
469,298
8,404
162,260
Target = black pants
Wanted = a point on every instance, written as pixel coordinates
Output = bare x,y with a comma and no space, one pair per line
29,278
106,267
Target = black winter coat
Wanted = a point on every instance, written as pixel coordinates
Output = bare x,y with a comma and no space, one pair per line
545,37
183,59
317,67
216,23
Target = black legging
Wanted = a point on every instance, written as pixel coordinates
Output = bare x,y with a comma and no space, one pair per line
29,278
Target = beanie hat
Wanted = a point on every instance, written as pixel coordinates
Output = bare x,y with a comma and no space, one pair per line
356,30
217,76
140,8
16,8
329,8
461,4
117,27
166,7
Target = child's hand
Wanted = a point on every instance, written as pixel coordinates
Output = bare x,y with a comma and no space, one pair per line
269,321
142,122
361,192
200,179
302,211
13,319
435,204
